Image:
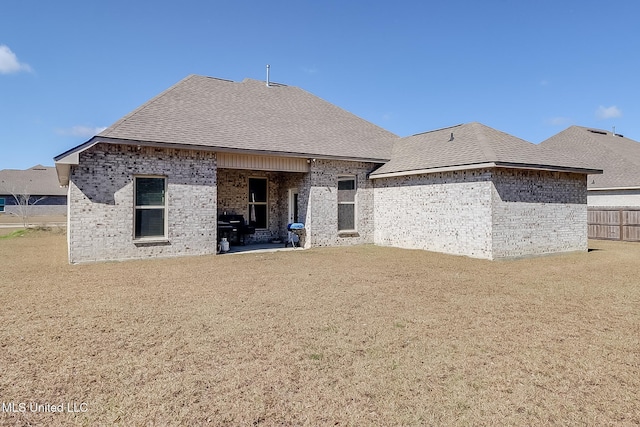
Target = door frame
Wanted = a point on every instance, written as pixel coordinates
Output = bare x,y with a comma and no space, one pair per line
293,206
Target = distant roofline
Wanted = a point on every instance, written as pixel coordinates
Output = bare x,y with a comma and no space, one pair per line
598,131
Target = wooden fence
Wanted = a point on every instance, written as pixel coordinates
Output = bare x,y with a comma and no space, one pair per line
614,224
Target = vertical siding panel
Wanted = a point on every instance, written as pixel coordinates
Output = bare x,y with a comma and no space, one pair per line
268,163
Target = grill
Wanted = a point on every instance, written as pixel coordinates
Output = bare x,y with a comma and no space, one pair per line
295,231
234,228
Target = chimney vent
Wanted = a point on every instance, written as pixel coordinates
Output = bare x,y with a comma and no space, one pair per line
268,66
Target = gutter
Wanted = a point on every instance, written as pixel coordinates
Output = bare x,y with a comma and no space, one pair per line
613,188
488,165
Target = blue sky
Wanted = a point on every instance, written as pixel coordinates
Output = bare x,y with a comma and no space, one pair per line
70,68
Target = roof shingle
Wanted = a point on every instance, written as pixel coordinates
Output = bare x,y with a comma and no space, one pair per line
249,115
617,156
470,144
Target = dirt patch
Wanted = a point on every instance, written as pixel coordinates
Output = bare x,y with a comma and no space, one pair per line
338,336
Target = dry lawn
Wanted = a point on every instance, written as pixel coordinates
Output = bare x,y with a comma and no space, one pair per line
6,218
340,336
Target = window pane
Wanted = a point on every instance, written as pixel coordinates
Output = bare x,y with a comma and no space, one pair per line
1,204
347,184
257,190
346,196
346,217
258,216
347,190
149,191
149,222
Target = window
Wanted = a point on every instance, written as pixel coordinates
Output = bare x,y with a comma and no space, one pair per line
347,203
258,202
1,204
151,207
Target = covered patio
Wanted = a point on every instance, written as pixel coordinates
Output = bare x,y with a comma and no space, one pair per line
261,194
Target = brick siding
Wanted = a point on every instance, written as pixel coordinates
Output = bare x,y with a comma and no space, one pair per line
483,213
101,201
488,213
446,212
538,213
319,203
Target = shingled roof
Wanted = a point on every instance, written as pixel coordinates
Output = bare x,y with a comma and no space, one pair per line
469,146
619,157
251,116
36,181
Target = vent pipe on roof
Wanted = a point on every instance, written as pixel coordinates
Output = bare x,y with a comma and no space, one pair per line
268,66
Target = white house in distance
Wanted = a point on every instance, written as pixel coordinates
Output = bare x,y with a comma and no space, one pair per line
168,178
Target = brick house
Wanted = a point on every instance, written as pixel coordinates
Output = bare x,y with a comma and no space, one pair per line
156,182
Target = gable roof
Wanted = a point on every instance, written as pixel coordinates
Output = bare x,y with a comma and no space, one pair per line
619,157
468,146
250,116
36,181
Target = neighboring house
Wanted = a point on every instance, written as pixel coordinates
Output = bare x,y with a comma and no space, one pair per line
39,184
613,198
156,182
617,156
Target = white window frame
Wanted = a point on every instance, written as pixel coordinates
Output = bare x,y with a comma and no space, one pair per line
164,207
353,178
250,203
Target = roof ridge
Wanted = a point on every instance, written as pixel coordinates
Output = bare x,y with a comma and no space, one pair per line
436,130
274,84
210,77
485,145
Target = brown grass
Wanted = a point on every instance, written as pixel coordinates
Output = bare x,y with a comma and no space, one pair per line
341,336
9,219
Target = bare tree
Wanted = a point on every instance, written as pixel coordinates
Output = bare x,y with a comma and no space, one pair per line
24,202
